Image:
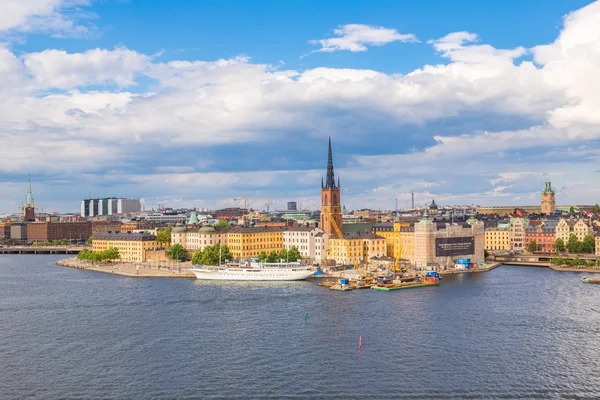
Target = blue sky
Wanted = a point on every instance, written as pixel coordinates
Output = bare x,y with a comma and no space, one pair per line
191,103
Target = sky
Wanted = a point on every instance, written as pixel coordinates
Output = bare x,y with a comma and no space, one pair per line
194,103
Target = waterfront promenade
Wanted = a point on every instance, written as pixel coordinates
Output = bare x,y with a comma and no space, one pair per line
42,250
132,270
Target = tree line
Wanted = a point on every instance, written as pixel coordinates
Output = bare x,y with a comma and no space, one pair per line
105,255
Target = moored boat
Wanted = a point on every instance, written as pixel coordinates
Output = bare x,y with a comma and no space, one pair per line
591,280
254,271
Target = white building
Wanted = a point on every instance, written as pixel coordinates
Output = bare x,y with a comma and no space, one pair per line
310,242
109,206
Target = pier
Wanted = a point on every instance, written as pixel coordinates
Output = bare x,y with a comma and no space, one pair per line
41,250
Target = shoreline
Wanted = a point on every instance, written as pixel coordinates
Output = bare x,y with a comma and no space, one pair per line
130,270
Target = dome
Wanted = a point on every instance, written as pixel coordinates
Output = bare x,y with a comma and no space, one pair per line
207,228
433,206
193,218
179,229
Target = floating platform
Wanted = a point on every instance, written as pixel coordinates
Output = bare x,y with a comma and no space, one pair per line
591,280
404,286
341,288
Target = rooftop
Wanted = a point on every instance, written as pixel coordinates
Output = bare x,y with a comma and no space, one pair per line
128,236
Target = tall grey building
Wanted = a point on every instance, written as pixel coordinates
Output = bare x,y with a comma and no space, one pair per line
109,206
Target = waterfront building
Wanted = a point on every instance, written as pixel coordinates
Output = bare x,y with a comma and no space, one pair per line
245,242
110,206
440,243
548,199
330,200
497,238
5,229
597,240
49,231
580,228
543,233
321,246
407,243
354,249
391,232
195,238
131,246
304,238
18,233
518,234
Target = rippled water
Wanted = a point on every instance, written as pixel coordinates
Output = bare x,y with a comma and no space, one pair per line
514,332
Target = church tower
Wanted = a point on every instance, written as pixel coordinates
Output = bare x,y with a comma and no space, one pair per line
29,208
330,199
548,200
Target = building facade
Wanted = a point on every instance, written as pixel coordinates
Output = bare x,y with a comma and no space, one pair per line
518,234
105,226
110,206
304,239
439,244
193,238
497,239
544,235
356,249
331,209
246,242
548,199
133,247
49,231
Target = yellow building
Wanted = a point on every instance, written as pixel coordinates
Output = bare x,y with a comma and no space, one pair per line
407,243
245,242
194,238
391,232
131,246
353,249
497,239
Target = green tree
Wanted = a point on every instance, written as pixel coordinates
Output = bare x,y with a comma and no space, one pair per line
177,252
283,254
588,245
273,257
222,223
212,255
110,254
163,236
573,245
197,257
84,254
294,254
89,241
262,256
559,245
486,254
532,246
596,209
572,210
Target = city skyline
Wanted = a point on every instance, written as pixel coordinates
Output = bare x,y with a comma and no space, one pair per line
460,109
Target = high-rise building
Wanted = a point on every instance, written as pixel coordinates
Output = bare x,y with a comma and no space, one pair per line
109,206
548,199
331,210
292,206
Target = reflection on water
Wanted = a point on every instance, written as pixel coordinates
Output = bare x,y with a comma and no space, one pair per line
512,332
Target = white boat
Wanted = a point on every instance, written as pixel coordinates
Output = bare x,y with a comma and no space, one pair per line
254,271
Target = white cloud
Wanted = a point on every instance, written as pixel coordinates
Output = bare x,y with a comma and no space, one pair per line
59,69
54,122
56,17
356,37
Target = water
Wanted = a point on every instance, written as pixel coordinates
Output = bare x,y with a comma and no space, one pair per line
513,333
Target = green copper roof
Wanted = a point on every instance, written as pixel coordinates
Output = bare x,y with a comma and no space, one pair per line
30,201
425,220
193,218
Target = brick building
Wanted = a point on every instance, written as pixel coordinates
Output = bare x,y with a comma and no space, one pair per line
49,231
105,226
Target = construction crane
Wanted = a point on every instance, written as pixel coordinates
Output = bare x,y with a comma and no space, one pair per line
357,267
398,258
268,204
245,200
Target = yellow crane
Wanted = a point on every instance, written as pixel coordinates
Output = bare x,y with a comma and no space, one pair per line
245,200
398,256
357,267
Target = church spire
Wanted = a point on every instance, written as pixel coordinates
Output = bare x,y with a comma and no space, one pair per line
29,201
330,182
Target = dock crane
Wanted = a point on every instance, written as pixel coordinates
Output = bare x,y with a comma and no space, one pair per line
357,267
